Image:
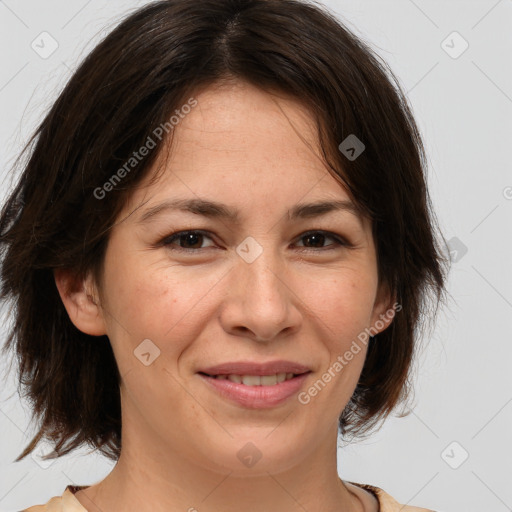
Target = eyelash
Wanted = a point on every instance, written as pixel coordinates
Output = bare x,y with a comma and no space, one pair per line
169,239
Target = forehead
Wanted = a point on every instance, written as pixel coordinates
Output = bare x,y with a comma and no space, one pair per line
231,121
225,106
244,146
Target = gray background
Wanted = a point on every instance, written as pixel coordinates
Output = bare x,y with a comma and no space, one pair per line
464,108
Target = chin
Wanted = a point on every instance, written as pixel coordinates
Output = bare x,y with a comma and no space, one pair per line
253,456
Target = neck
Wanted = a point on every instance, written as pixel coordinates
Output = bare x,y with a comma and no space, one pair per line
150,478
156,474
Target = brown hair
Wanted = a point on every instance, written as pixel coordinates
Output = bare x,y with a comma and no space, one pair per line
131,83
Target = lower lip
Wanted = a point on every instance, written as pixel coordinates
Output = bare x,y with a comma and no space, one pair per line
256,397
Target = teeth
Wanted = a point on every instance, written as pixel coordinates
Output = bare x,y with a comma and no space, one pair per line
256,380
252,380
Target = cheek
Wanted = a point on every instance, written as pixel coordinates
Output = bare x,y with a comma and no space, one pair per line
343,303
149,298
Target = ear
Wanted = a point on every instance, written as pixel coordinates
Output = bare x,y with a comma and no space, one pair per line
384,309
81,301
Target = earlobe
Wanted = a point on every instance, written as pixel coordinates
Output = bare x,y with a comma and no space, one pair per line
81,302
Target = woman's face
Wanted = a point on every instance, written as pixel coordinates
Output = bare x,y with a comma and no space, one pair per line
257,289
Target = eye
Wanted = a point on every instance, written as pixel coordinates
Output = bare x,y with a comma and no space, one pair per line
192,240
188,238
318,238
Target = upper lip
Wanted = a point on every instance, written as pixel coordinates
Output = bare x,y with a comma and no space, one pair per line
252,368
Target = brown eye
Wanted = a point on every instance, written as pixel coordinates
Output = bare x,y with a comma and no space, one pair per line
192,241
317,239
186,240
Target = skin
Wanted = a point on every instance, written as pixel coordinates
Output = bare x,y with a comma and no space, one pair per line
300,300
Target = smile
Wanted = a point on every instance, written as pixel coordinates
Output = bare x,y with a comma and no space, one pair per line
256,380
256,391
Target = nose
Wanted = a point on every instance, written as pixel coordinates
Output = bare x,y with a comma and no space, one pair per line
260,301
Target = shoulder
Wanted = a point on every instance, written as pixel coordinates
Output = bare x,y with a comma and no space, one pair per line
64,503
53,504
387,503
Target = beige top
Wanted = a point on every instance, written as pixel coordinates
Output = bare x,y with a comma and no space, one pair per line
68,502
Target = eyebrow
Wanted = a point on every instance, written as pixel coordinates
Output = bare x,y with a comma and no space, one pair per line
215,210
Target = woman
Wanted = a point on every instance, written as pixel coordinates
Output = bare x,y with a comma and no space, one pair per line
226,246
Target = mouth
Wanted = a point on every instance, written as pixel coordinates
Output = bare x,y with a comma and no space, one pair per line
255,391
255,380
256,369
